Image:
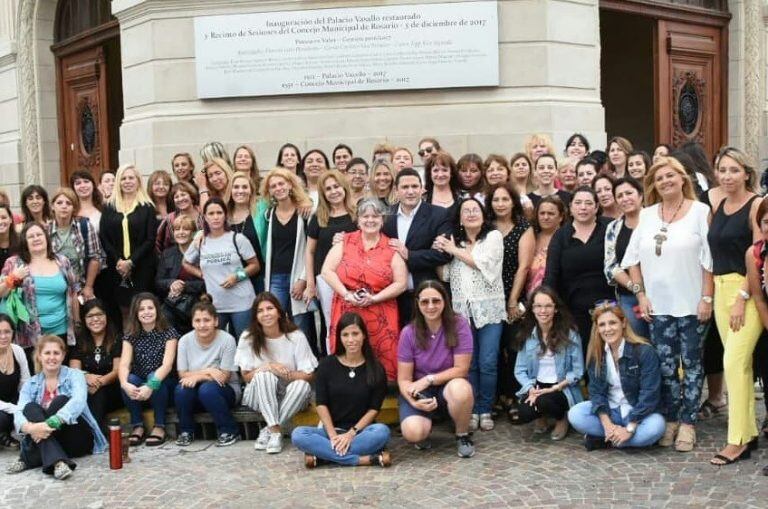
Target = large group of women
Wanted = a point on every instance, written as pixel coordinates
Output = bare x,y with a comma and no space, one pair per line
583,289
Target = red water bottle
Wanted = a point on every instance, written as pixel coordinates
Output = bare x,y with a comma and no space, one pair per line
115,445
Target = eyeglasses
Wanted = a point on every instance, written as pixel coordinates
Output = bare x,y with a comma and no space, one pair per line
424,151
471,212
434,301
94,315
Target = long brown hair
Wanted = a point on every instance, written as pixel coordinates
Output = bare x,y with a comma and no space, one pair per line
448,317
133,327
373,368
85,342
258,339
323,213
562,324
596,347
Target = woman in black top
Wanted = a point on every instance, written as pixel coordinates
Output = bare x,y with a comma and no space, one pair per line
335,214
98,354
350,388
14,371
127,232
507,214
731,232
545,172
9,237
629,197
575,260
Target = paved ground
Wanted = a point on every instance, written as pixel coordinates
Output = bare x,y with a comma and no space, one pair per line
511,468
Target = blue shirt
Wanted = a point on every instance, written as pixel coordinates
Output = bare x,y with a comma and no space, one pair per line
71,384
51,295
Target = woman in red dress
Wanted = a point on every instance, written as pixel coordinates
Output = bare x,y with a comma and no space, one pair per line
367,275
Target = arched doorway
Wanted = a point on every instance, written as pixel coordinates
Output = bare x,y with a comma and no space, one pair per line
89,85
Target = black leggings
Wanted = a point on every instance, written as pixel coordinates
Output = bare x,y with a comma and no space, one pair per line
553,405
103,401
70,441
507,384
6,423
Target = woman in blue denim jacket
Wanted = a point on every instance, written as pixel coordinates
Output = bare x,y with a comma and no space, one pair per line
53,415
624,385
549,365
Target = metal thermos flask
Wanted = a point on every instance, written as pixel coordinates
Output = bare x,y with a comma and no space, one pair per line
115,445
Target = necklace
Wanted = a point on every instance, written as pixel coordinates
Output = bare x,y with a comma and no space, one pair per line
97,354
352,369
662,235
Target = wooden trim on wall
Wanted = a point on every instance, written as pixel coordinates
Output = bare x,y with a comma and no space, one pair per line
670,12
87,39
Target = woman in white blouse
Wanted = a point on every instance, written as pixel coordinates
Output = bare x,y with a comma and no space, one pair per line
477,292
670,267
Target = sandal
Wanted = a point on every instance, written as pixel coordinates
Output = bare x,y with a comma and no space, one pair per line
725,460
709,410
135,439
155,440
514,415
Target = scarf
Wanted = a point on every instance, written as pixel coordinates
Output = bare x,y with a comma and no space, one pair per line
126,233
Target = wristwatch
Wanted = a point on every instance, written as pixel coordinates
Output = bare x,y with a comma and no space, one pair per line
744,294
431,380
707,299
631,427
635,288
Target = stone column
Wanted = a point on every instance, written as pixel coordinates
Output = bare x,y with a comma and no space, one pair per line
752,103
549,53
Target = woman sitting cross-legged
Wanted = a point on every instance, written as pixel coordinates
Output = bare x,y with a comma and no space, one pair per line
433,359
624,386
146,366
549,364
277,363
207,376
53,415
14,371
349,391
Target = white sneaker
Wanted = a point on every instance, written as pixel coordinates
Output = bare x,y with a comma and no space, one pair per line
474,422
275,443
261,442
486,422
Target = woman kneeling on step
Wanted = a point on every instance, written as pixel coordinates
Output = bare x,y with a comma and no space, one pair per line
53,416
349,390
277,363
549,364
624,385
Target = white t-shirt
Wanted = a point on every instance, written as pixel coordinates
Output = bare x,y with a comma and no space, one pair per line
220,354
673,280
218,260
547,370
291,350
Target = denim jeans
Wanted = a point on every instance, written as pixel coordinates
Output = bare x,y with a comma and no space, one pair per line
280,286
238,321
484,367
648,431
679,340
160,401
640,326
315,441
209,397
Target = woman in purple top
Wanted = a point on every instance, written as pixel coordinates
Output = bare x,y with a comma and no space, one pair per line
433,359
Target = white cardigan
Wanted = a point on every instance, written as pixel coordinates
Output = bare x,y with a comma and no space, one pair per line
298,269
21,358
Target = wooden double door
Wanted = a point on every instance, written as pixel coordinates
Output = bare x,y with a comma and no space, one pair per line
90,104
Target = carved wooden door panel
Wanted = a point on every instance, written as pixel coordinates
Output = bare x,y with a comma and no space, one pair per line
83,122
690,85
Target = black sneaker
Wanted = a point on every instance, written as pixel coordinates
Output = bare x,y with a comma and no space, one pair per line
226,439
9,442
592,443
184,439
465,447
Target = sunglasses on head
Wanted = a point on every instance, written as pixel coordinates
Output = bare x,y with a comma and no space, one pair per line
426,151
602,305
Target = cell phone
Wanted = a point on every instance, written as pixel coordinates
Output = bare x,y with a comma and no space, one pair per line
361,293
420,396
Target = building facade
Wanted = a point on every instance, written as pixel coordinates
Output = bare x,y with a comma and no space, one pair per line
93,84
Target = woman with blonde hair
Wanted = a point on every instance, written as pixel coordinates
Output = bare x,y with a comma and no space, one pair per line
285,245
624,385
670,267
241,214
127,232
403,158
538,144
183,167
618,151
214,180
336,213
382,183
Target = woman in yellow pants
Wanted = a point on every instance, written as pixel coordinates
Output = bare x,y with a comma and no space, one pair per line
732,231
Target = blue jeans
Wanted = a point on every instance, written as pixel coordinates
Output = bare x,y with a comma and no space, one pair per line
311,440
238,321
648,431
485,363
280,287
640,326
210,397
160,400
679,340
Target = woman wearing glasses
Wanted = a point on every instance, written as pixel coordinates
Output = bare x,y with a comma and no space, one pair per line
670,267
624,385
549,364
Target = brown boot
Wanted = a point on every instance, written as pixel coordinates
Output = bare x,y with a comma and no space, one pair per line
686,438
670,432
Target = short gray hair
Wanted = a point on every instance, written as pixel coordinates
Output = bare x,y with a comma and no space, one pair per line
371,203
